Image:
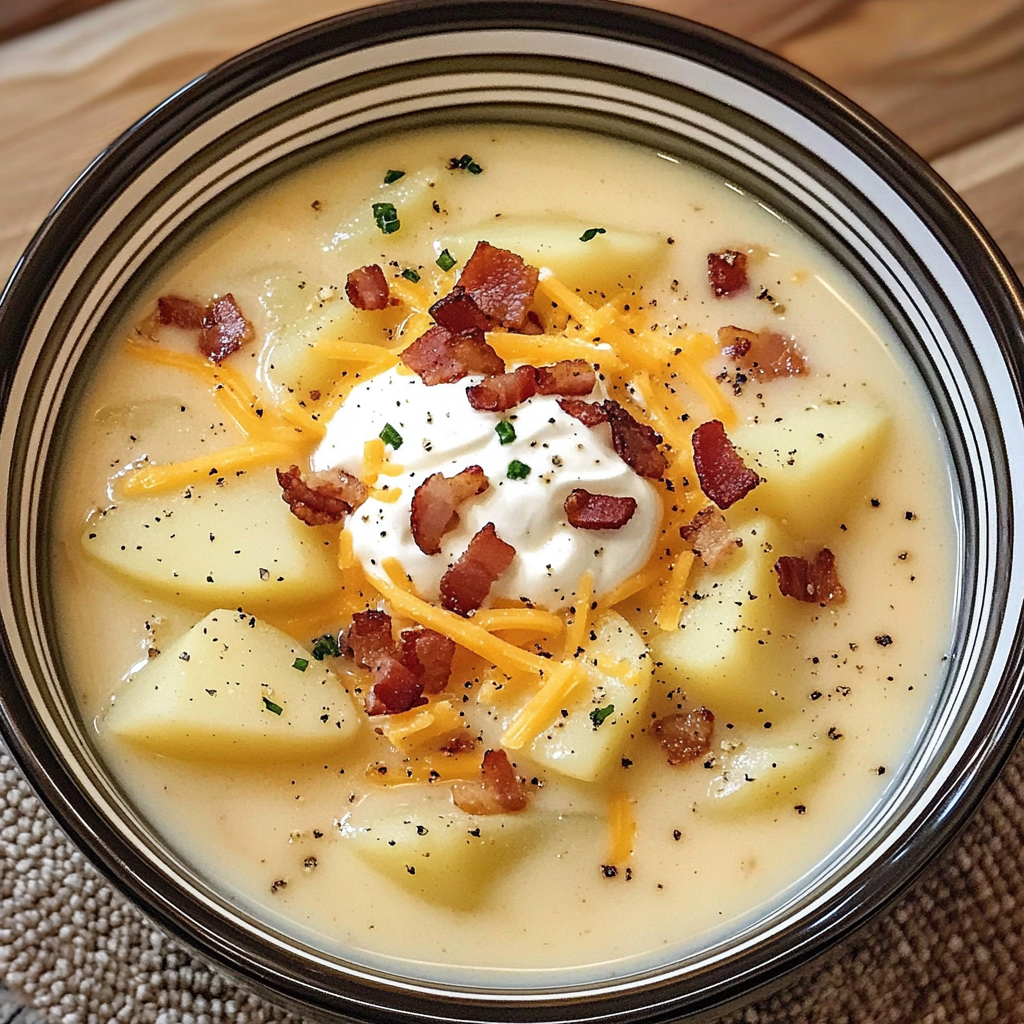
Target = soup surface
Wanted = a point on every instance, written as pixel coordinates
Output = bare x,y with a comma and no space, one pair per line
717,587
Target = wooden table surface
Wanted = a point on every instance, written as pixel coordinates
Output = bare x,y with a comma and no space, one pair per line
945,75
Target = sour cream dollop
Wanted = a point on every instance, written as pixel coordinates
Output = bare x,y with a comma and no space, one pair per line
442,433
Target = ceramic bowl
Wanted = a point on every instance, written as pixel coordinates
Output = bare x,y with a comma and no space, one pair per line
809,154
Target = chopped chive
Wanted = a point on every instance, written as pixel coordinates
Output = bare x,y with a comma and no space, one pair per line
392,176
464,163
506,432
598,715
446,261
301,664
271,706
391,436
410,275
518,470
324,646
386,217
591,233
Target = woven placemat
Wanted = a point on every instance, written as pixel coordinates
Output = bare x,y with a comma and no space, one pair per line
951,951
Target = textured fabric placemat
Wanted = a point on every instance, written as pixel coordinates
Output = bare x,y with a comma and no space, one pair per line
951,951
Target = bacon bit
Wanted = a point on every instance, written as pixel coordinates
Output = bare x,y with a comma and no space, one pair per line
590,414
435,503
724,477
440,357
727,272
686,735
636,443
466,584
224,330
428,656
765,356
324,498
367,288
459,743
504,390
499,790
457,312
177,311
709,536
588,511
368,640
395,689
567,377
532,325
816,582
501,284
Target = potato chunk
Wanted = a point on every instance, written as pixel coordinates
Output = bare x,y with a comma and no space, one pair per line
234,544
752,778
814,464
604,263
435,851
604,708
728,653
233,689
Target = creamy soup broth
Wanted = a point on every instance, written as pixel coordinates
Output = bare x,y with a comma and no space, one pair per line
646,860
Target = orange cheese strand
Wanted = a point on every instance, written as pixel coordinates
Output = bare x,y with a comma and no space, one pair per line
627,588
543,707
671,610
578,627
532,620
621,828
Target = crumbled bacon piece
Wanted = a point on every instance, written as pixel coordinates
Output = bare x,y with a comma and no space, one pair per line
501,284
574,377
177,311
816,582
504,390
686,735
533,324
466,584
636,443
321,498
440,357
724,477
762,356
588,413
588,511
499,790
367,288
457,312
709,536
727,272
428,656
368,640
224,329
435,505
395,689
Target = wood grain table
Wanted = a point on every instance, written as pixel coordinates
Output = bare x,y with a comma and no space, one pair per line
945,75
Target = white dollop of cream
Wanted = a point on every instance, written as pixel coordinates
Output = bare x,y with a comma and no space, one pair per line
442,433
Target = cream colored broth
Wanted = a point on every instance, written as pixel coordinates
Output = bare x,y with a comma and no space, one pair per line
694,869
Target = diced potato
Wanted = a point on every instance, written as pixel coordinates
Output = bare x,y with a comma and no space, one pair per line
606,263
618,677
236,544
229,690
728,652
814,464
752,778
436,851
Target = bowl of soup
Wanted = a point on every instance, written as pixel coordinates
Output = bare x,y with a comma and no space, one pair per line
508,515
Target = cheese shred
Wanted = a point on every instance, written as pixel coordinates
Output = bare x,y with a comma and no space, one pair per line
544,706
621,828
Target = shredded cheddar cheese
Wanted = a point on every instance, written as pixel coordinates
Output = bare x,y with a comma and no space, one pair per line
542,708
577,629
413,728
373,460
621,828
532,620
346,554
671,609
416,296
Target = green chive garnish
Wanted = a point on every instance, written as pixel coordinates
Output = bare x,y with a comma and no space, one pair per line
410,275
391,436
301,664
446,261
518,470
271,706
392,176
591,233
325,646
598,715
506,432
386,217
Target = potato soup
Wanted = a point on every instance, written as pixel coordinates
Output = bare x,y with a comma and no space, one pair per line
504,550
